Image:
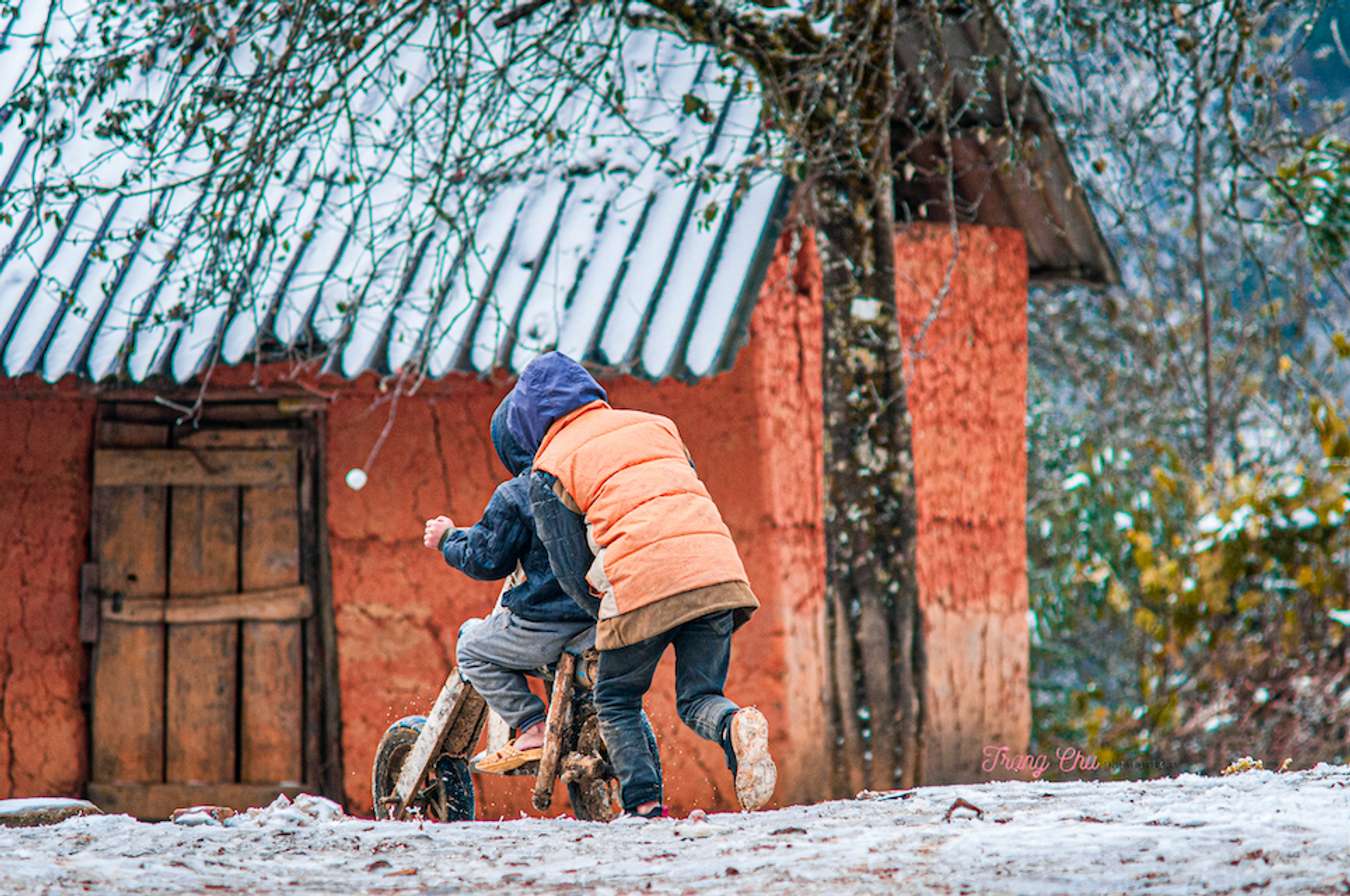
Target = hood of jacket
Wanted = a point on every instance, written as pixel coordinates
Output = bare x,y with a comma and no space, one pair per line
515,458
551,387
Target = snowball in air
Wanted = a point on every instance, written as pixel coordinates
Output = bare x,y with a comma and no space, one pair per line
356,479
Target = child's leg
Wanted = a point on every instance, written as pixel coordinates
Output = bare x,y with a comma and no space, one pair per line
623,677
493,654
702,655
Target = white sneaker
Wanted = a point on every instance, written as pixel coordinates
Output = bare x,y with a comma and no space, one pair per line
756,775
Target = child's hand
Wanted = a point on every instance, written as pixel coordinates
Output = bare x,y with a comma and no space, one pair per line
436,527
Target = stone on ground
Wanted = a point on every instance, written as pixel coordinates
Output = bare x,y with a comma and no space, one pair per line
35,811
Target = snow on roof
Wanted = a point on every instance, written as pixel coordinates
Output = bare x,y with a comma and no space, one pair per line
603,249
609,258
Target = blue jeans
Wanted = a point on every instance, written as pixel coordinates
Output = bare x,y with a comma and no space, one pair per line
702,654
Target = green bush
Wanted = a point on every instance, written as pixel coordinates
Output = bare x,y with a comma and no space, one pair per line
1314,189
1182,617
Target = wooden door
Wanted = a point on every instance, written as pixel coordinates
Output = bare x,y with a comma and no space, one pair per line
201,605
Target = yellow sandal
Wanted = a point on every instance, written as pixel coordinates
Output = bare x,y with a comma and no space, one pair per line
507,759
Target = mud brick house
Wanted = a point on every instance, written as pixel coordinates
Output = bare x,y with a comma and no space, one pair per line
208,613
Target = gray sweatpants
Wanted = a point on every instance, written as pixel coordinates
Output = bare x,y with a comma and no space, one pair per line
493,654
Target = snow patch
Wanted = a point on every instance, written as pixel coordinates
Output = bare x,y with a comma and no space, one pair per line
42,804
306,810
1076,481
1304,518
865,309
1277,833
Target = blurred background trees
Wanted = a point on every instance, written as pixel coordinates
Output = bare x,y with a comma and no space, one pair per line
1188,476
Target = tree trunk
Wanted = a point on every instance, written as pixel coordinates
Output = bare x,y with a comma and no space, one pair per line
850,768
870,508
869,476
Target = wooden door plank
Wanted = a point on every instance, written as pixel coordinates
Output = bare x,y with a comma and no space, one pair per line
153,802
313,743
196,468
240,438
140,412
89,603
271,724
290,604
127,674
202,667
114,434
329,772
280,408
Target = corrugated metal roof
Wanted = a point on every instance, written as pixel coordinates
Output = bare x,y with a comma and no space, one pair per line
606,257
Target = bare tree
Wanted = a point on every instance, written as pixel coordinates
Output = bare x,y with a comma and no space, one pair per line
1206,148
1212,140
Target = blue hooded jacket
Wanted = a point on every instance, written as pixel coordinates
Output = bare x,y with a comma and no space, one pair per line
505,536
550,388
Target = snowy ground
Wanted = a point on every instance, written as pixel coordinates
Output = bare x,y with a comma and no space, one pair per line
1257,831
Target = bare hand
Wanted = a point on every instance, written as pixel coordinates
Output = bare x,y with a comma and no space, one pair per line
436,527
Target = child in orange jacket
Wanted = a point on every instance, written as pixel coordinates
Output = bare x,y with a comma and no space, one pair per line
633,536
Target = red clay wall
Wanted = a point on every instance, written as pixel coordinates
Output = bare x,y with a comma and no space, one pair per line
756,435
754,431
44,533
968,380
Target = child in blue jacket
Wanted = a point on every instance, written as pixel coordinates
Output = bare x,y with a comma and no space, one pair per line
536,620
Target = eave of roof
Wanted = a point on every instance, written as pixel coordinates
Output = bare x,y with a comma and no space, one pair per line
1040,196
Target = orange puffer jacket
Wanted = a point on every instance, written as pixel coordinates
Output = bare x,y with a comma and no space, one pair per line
655,530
